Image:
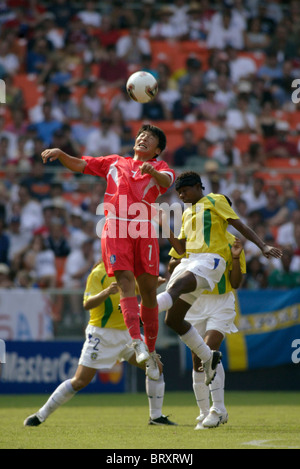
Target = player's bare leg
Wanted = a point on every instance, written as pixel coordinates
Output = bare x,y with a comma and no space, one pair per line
189,335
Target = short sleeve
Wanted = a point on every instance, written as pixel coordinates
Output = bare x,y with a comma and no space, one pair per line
99,166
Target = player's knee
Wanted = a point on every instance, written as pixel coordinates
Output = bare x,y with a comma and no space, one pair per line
78,384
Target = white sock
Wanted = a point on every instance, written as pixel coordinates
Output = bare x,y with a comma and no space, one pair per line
195,342
217,389
201,392
62,394
155,391
164,301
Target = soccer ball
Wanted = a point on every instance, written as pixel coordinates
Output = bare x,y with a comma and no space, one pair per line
142,87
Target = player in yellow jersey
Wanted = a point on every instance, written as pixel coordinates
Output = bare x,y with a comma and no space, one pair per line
203,239
107,341
213,317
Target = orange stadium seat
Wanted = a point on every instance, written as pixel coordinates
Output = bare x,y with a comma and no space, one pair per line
243,140
32,91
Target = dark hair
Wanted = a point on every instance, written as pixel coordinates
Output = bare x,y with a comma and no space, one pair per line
162,140
188,178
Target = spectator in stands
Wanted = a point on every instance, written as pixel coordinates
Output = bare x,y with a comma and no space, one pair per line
267,120
198,160
167,94
4,243
82,129
90,16
281,46
280,146
5,281
163,28
103,141
11,139
255,38
199,19
289,196
65,102
271,70
14,95
192,75
63,11
9,61
132,46
122,18
240,66
130,109
255,196
273,213
57,239
39,262
77,33
48,125
227,154
209,107
107,34
285,276
286,232
155,110
18,241
31,215
217,131
38,180
113,70
92,101
256,276
242,119
226,29
37,58
188,148
185,107
281,87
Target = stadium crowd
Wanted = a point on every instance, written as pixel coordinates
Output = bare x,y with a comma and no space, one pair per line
227,101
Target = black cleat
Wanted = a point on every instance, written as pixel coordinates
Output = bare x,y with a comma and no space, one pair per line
32,421
162,420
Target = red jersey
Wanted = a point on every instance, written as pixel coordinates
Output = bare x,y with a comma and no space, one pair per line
126,183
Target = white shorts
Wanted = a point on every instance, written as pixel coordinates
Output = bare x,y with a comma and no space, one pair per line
104,347
208,270
213,312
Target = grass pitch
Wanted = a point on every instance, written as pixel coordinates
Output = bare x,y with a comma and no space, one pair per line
120,421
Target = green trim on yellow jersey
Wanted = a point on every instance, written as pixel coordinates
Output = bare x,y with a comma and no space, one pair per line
204,225
107,314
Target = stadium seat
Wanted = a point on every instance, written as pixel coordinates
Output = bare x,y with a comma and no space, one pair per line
31,90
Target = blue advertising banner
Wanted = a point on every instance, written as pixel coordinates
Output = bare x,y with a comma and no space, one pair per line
269,331
39,367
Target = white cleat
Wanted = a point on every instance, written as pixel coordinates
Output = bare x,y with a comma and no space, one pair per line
210,367
215,418
200,419
152,369
141,351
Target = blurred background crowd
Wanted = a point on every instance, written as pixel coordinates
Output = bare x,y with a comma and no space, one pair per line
228,102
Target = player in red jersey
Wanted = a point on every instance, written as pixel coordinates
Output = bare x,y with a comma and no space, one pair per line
130,248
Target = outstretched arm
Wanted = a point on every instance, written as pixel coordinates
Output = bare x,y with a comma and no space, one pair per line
248,233
71,162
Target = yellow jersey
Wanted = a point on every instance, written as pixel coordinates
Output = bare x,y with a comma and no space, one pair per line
224,286
204,226
108,313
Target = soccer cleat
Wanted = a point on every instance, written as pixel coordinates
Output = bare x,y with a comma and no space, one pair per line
152,369
141,351
32,421
162,420
210,366
214,419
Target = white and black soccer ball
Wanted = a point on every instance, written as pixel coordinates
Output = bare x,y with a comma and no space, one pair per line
142,87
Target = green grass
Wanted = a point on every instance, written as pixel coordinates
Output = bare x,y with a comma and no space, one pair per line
117,421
